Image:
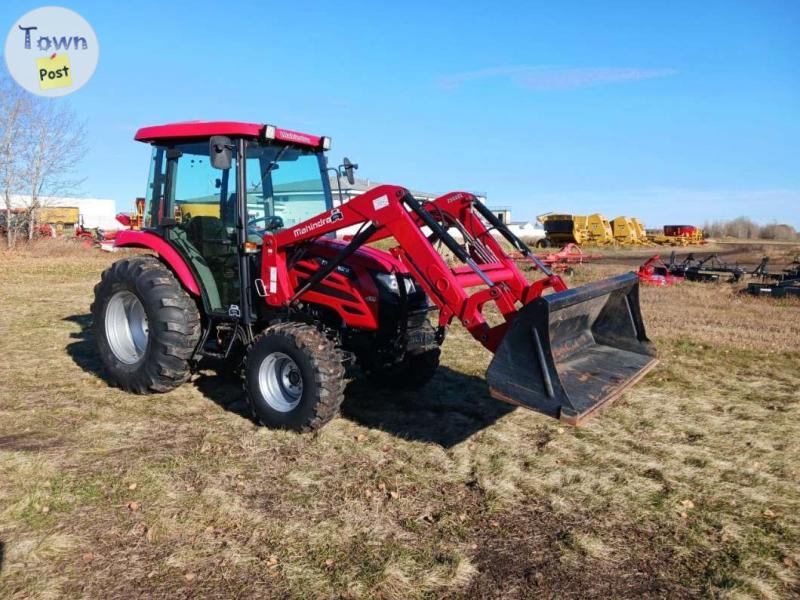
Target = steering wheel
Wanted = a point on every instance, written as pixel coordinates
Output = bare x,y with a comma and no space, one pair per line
271,222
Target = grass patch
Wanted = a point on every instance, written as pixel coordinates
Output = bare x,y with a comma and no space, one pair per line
685,486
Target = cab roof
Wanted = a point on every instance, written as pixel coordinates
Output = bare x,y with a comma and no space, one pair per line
204,129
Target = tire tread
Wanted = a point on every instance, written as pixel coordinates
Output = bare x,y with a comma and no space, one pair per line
327,362
174,323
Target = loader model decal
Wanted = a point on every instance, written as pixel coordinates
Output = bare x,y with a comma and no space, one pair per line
456,198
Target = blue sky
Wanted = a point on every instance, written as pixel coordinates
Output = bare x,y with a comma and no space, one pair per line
671,111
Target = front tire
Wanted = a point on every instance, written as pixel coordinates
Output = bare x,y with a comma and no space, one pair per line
294,377
146,326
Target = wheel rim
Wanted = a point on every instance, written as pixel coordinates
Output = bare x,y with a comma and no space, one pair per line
126,327
280,382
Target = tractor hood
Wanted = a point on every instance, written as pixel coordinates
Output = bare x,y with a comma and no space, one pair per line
366,257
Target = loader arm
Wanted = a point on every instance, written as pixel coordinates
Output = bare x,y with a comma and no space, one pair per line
486,273
564,354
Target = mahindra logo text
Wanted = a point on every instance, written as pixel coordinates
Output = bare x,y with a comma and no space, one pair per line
335,215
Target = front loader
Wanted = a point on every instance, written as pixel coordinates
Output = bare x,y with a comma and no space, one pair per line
248,270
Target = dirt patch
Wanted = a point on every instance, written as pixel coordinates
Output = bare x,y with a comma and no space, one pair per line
28,442
534,552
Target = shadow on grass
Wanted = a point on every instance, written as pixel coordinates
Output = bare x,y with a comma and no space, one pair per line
452,407
449,409
2,554
82,350
225,389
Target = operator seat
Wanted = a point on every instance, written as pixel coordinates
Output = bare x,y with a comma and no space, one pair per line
208,235
211,239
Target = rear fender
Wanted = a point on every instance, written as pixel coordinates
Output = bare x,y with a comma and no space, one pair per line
168,254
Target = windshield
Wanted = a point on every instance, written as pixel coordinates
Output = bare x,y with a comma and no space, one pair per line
285,182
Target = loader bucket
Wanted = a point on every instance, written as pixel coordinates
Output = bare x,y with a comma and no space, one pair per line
567,354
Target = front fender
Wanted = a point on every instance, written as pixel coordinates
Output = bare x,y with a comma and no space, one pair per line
144,239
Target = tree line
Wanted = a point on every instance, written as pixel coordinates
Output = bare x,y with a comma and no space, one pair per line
746,228
41,144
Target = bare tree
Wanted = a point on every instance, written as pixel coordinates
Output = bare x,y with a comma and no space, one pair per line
15,112
57,145
41,144
714,229
742,228
778,231
745,228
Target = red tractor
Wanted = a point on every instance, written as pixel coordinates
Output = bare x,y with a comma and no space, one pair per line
247,268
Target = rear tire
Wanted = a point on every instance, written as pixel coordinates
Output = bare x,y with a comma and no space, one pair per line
146,326
294,377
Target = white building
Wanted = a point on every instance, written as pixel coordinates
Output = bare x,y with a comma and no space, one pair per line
526,231
96,212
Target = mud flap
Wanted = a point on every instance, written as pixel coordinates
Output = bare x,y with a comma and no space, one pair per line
567,354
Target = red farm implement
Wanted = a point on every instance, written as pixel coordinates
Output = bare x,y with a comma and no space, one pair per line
567,258
654,272
562,261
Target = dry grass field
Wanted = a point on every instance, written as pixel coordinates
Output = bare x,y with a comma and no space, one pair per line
687,486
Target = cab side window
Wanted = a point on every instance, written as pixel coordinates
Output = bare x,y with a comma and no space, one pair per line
198,189
195,205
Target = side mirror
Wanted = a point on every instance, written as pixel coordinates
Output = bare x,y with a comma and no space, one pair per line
220,152
348,170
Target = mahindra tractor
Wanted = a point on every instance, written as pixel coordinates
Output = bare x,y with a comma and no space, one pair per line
245,267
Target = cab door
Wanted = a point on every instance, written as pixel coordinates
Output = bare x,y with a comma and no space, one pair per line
194,207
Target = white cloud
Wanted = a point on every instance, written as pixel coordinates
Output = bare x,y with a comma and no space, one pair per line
544,78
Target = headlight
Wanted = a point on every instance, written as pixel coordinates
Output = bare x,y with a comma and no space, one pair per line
389,281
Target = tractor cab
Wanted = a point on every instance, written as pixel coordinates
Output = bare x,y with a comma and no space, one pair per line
215,189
